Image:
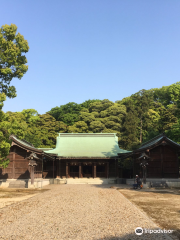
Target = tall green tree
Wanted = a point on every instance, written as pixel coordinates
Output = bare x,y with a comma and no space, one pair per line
129,139
68,113
4,141
143,101
12,58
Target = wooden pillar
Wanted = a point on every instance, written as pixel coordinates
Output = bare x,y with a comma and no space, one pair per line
134,169
177,165
115,167
60,169
162,173
14,156
80,170
53,168
107,169
57,168
67,170
13,170
94,170
42,165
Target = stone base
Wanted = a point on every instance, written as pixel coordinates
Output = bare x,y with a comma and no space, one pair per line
91,181
158,182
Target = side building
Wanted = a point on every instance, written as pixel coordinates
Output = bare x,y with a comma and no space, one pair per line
156,162
26,164
161,154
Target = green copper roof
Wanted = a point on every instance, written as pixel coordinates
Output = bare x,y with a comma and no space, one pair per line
87,145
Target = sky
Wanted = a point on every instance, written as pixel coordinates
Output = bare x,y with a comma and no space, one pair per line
93,49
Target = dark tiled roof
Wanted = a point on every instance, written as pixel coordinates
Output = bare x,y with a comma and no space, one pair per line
156,140
25,144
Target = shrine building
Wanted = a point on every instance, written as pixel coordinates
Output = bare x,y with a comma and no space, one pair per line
76,156
91,158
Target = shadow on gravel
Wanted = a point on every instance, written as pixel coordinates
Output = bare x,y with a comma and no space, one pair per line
101,185
133,236
175,191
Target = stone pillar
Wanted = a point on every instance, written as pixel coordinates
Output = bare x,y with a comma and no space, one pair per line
67,170
94,170
32,164
80,170
32,174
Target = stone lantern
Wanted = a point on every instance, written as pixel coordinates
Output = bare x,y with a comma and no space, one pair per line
144,158
32,163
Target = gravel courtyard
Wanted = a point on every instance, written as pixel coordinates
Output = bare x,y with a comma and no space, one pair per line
75,212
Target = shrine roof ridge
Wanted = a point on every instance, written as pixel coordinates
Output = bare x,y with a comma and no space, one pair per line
87,145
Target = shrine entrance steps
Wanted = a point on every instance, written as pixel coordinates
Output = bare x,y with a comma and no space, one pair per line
91,180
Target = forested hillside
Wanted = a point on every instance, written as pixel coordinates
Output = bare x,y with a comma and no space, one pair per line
135,119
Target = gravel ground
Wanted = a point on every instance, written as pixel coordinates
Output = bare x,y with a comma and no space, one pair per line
75,212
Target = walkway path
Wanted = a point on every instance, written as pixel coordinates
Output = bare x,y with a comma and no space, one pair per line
82,212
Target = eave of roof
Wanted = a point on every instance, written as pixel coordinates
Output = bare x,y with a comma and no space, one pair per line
27,146
155,142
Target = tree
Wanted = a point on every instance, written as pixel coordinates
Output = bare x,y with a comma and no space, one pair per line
4,143
68,113
129,139
87,103
97,126
31,115
79,127
100,105
143,101
12,60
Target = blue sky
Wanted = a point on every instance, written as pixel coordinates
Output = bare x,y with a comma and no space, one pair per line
94,49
